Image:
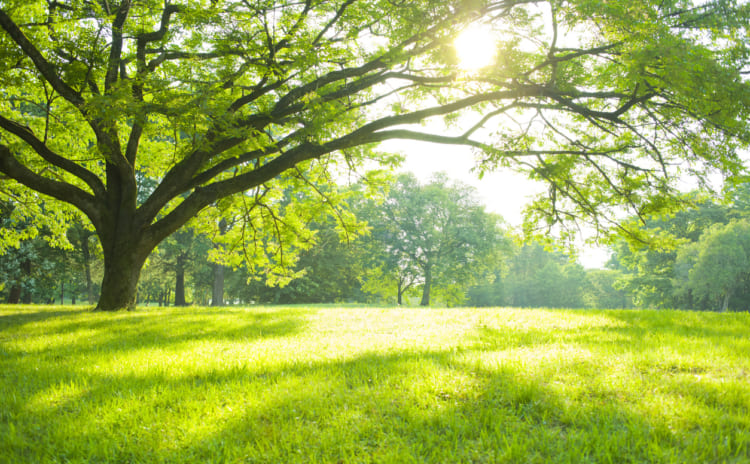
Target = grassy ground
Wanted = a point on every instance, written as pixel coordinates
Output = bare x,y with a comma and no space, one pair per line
338,385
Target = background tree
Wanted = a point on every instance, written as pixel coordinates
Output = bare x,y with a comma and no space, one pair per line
439,229
217,98
603,292
81,239
722,265
544,278
652,271
329,273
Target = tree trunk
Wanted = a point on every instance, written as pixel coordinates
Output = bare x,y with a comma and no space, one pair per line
120,282
62,292
14,297
426,289
725,303
217,291
179,288
26,271
86,254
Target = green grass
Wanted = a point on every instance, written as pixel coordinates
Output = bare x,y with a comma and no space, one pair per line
350,385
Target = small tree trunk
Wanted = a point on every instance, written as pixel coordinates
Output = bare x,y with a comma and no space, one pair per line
725,303
86,254
14,296
62,292
426,289
26,271
217,291
179,288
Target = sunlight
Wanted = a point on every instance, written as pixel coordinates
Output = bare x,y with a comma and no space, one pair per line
475,47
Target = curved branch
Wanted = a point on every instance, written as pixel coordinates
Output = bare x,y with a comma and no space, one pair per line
59,190
50,156
45,68
204,196
115,53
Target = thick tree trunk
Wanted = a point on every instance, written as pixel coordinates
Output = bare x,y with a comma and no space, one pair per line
426,289
120,282
217,291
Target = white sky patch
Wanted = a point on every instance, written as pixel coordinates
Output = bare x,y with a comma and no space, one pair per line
476,47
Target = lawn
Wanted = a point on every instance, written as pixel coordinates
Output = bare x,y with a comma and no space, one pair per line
361,385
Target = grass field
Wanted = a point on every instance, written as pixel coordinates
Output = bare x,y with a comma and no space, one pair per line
361,385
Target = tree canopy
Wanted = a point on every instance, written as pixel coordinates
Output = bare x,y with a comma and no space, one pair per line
231,104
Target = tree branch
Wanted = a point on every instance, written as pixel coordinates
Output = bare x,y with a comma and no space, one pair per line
50,156
45,68
60,190
115,52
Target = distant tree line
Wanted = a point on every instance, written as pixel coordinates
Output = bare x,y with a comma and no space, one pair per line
423,244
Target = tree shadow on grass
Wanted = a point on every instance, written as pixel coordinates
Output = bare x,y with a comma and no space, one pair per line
21,315
113,334
686,324
406,405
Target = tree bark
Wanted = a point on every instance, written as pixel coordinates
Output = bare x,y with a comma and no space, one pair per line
725,302
14,296
26,271
179,288
427,284
217,291
86,255
120,282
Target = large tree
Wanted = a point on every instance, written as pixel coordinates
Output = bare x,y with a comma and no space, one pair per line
608,102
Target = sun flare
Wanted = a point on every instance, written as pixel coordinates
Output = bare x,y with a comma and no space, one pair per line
475,47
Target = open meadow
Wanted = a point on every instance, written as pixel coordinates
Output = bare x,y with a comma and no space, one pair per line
360,385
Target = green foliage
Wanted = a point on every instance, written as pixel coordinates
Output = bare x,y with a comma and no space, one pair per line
722,264
323,384
532,275
656,276
700,261
34,266
329,272
604,292
432,235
